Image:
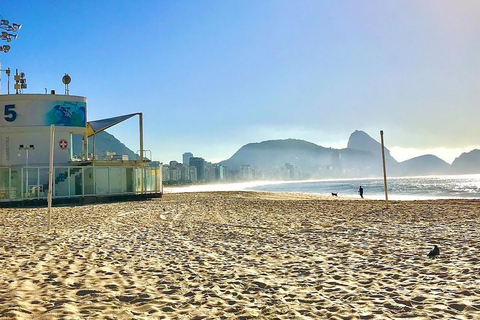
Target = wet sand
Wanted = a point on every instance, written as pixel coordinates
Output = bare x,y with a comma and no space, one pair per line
242,255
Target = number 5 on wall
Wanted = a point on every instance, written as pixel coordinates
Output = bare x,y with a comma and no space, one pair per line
10,114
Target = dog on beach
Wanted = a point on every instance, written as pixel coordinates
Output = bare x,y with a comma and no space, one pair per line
334,194
434,252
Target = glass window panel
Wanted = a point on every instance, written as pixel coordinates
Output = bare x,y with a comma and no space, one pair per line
129,179
61,181
101,180
89,181
117,180
4,187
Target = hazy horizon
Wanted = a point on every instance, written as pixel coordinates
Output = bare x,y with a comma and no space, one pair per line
212,76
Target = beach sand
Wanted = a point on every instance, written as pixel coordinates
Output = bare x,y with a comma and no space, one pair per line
242,255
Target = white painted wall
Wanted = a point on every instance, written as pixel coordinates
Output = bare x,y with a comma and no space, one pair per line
25,120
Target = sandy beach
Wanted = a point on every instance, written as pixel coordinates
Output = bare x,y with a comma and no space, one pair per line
242,255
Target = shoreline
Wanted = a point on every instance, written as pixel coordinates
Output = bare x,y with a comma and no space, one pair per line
399,188
250,255
320,196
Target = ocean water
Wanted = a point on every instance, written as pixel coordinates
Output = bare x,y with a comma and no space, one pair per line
399,188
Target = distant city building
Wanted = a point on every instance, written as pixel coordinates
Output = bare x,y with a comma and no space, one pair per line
186,158
165,172
220,172
293,173
113,156
120,157
198,163
336,160
247,172
155,164
291,170
109,155
210,172
189,174
175,174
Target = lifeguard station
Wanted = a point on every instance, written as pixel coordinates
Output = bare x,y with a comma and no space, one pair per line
36,148
25,152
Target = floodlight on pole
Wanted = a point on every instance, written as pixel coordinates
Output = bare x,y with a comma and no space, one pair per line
8,36
14,27
5,35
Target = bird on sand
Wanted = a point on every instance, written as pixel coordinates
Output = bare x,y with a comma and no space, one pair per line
434,252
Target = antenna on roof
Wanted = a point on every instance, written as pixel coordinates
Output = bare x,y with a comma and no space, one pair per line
20,82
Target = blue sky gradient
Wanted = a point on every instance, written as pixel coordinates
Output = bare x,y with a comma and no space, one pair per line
211,76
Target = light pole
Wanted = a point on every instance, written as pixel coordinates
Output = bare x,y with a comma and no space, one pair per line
30,147
7,35
7,71
13,28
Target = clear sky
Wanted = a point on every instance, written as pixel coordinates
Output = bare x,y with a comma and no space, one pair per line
212,76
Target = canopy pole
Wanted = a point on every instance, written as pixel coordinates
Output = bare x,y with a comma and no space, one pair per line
93,147
85,146
384,169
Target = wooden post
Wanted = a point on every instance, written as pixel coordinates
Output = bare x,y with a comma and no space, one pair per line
384,169
85,146
50,178
140,125
142,175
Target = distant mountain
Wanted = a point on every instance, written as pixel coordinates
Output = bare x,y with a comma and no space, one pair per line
424,165
104,142
276,153
360,140
313,161
361,158
467,163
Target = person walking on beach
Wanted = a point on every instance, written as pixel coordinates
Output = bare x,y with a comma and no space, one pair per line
360,192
